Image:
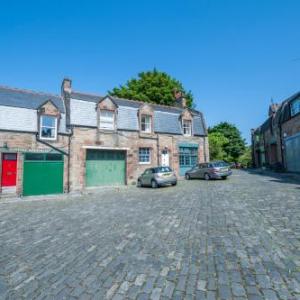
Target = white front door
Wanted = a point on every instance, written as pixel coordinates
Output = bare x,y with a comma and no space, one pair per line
165,158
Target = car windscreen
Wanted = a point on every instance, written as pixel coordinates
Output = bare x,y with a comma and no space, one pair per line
163,170
220,164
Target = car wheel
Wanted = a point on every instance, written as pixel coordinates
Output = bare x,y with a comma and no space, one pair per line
206,176
187,176
139,183
154,184
224,177
174,183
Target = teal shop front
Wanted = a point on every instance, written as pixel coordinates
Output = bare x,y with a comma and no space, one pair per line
188,157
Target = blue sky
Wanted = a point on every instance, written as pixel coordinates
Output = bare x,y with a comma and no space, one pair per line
233,55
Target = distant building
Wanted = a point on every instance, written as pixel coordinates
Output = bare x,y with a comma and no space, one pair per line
276,143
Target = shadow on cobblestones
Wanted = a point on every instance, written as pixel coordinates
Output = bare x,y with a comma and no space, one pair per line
290,178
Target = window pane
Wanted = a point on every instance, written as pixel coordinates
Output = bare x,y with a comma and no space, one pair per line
48,132
144,155
295,107
48,127
34,156
106,114
188,157
107,119
48,121
54,157
146,123
9,156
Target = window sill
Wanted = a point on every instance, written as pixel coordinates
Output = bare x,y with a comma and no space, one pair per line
48,139
145,163
106,130
146,132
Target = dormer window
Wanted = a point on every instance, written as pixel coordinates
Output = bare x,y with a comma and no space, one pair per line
107,119
295,107
187,127
48,127
146,123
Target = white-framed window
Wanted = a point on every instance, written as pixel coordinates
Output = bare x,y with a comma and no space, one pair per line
146,123
295,107
48,127
187,127
144,155
107,119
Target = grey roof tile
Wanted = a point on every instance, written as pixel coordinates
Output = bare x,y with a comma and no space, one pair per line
166,118
27,99
86,97
198,126
165,122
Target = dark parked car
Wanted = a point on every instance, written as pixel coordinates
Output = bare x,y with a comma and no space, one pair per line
156,177
212,170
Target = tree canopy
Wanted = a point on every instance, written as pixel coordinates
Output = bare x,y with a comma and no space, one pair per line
235,145
152,86
217,141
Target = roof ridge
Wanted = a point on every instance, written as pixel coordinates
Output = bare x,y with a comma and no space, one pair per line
88,94
136,101
143,102
28,91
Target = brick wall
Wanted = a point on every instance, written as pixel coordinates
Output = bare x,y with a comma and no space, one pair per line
131,140
21,143
291,127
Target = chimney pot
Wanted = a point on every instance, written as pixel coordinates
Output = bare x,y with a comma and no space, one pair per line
66,86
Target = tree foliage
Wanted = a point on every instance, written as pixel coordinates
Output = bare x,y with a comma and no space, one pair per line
235,145
246,158
217,141
152,86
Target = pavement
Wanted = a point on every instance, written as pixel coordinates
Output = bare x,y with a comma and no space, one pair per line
234,239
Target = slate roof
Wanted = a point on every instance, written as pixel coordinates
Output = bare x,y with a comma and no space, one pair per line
166,118
282,114
27,99
86,97
129,103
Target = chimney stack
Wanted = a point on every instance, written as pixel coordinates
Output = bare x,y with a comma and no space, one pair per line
273,109
66,86
66,89
180,100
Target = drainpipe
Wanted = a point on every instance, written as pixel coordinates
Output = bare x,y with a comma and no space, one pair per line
281,146
204,148
62,152
69,159
51,146
157,139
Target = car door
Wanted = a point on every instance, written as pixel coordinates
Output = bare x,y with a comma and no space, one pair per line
195,171
147,176
203,170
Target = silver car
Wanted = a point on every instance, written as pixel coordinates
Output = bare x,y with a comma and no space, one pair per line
156,177
212,170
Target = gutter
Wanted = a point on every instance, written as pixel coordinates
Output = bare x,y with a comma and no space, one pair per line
51,146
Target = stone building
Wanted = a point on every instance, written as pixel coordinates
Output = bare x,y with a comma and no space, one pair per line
276,143
34,143
55,144
114,140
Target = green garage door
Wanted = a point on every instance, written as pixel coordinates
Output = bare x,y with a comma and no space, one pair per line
43,174
105,167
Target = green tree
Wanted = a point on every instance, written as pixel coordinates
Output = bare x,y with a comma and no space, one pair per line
152,86
236,145
217,141
246,158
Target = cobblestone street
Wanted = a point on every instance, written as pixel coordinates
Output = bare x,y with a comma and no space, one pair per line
233,239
